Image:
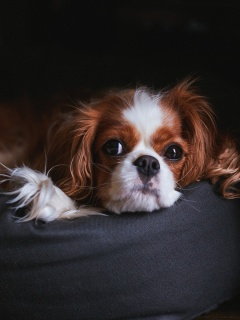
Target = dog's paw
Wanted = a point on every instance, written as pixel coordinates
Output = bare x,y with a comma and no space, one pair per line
34,192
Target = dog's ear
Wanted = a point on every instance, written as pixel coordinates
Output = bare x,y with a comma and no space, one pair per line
198,128
225,170
69,156
210,155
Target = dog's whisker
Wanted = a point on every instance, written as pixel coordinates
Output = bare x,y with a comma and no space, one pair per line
183,177
189,202
102,168
54,167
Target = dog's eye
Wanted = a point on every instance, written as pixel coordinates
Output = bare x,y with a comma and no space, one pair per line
173,152
113,148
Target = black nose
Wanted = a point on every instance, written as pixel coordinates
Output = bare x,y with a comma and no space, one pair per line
147,166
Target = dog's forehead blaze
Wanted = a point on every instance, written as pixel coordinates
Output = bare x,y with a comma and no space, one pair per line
145,114
149,116
135,118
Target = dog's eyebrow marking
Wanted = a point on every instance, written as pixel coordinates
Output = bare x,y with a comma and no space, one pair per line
145,113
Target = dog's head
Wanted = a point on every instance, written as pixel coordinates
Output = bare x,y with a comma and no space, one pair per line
131,150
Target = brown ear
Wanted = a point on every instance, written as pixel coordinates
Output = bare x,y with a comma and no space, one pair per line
69,156
210,156
225,170
198,129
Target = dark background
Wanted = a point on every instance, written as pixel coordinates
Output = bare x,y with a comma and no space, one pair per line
63,46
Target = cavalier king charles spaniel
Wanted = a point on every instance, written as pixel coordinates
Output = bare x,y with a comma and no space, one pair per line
129,151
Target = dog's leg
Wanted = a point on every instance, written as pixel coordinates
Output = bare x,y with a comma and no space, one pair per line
36,192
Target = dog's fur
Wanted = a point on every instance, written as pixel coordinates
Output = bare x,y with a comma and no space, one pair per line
131,150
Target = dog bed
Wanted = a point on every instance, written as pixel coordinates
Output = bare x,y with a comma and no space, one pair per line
173,264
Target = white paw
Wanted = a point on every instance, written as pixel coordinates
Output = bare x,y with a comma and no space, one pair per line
35,192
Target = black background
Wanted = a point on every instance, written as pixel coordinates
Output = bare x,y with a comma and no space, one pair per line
62,45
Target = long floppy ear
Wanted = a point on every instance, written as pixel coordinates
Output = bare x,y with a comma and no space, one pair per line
69,156
225,170
198,129
209,155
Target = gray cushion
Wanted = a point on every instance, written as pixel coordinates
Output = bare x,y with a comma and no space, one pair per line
168,265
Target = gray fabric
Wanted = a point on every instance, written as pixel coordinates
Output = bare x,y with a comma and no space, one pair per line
167,265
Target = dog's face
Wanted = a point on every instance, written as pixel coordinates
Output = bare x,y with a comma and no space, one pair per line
138,154
130,151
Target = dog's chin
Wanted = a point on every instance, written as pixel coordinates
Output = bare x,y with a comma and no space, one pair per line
141,198
147,191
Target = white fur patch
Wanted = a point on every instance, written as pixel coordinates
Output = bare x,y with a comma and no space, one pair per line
145,114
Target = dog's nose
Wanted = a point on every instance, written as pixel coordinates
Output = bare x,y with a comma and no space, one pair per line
147,166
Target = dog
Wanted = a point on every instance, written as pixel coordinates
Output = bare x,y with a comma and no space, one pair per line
132,150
